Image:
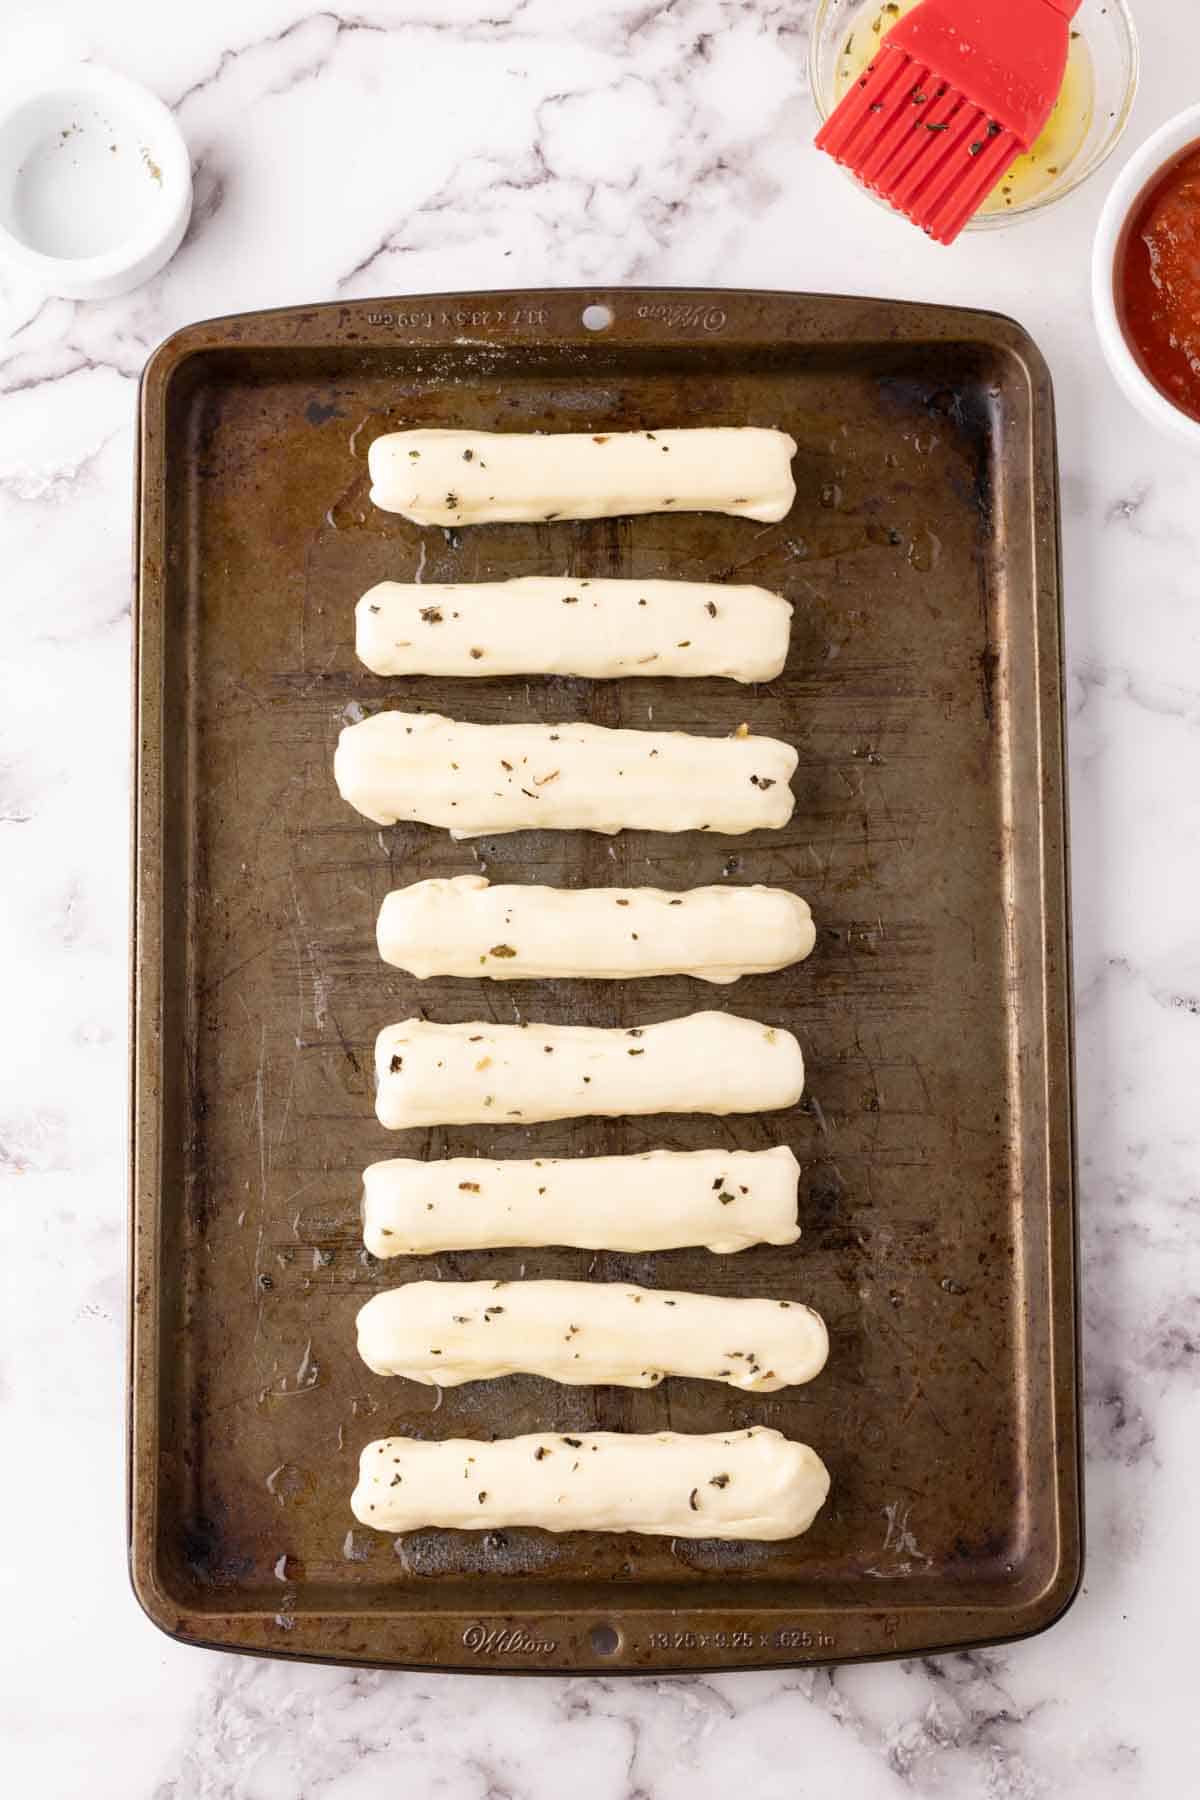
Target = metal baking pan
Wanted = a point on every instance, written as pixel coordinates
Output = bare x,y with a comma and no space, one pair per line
924,692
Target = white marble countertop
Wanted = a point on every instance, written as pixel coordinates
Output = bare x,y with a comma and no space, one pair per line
415,145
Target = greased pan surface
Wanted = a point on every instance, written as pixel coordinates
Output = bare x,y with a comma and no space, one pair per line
923,692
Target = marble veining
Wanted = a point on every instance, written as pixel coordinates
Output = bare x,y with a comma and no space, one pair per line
437,144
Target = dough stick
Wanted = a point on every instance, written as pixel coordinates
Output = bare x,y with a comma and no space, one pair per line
495,778
481,1073
737,1484
558,625
483,477
661,1200
461,926
442,1333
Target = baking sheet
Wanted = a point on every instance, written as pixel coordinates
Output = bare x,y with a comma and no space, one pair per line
923,692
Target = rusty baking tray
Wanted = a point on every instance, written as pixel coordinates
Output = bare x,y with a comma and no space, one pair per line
924,692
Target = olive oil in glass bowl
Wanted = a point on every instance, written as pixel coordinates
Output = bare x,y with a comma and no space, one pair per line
1089,117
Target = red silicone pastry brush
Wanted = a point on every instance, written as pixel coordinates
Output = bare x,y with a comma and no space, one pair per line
957,90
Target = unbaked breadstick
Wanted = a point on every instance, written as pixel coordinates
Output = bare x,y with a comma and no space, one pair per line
559,625
442,1333
484,477
725,1200
461,926
480,1073
737,1484
495,778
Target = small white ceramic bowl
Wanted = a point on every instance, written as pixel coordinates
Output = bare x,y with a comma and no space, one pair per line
1139,173
95,182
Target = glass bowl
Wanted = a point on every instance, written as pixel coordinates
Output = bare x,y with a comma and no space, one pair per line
1107,28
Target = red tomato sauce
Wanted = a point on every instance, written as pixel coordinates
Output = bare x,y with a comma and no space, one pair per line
1158,282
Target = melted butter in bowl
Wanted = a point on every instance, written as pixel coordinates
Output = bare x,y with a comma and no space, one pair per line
1041,169
1084,128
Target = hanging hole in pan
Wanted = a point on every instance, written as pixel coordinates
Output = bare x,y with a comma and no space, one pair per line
605,1640
597,317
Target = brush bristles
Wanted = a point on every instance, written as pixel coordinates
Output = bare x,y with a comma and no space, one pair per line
919,144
